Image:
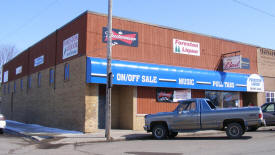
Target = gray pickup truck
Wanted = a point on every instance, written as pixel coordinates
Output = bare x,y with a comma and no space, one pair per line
201,114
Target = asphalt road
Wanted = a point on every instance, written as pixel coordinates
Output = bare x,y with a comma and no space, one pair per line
260,142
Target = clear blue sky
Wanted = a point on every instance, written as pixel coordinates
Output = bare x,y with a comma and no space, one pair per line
24,22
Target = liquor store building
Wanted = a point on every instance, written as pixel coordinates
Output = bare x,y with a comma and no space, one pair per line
60,80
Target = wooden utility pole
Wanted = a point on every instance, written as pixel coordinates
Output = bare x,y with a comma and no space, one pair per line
109,77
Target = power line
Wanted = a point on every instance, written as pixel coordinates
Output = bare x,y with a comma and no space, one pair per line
254,8
11,33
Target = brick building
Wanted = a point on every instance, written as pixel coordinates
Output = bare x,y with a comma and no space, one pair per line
60,81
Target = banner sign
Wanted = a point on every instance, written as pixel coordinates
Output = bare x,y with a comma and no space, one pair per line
18,70
38,61
121,37
255,83
152,75
233,62
186,47
6,76
70,46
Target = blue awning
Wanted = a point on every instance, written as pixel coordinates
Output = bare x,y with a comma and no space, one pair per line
152,75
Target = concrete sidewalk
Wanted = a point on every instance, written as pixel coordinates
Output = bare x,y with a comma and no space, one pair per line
59,136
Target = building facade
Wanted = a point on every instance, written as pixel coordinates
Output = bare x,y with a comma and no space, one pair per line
60,81
266,62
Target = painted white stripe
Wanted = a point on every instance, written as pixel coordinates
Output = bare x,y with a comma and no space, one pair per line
167,80
98,75
202,82
240,85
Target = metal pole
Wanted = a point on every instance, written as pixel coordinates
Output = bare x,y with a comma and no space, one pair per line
109,75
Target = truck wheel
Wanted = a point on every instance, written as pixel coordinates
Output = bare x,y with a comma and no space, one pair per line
1,131
173,134
234,130
159,132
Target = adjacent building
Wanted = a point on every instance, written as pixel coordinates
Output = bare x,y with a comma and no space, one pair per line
60,80
266,63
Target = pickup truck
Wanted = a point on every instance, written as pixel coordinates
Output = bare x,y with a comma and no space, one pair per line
201,114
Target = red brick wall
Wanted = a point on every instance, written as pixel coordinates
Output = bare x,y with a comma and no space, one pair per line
155,45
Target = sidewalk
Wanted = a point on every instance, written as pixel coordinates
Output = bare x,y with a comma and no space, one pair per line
59,136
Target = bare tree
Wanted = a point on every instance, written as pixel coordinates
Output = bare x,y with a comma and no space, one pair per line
6,53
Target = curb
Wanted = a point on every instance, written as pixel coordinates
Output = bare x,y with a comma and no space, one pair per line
22,135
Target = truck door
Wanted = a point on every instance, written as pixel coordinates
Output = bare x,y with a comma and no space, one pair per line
187,116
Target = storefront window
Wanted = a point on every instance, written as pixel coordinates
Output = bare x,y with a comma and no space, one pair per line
170,95
224,99
270,96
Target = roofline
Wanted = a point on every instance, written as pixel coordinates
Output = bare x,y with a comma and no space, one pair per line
171,28
136,21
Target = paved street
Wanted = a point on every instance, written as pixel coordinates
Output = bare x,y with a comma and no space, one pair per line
261,142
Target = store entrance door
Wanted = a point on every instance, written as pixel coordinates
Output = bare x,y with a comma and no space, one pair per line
101,106
249,99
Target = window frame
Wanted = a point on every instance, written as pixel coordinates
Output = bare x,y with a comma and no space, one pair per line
269,96
29,82
14,86
67,72
21,84
51,76
39,79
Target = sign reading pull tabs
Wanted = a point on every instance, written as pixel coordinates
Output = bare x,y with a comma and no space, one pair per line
121,37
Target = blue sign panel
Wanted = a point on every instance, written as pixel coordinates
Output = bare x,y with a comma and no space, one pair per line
143,74
121,37
245,63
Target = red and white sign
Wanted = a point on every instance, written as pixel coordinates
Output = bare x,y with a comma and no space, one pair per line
233,62
186,47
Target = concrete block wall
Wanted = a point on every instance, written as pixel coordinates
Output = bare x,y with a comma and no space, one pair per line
91,108
62,107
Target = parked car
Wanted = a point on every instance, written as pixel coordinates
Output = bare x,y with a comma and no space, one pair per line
2,123
201,114
268,115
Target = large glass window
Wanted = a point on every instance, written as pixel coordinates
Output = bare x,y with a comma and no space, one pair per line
171,95
224,99
270,97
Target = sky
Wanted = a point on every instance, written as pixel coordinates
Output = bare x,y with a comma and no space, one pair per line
25,22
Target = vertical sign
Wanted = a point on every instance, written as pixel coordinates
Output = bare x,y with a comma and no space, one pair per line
70,46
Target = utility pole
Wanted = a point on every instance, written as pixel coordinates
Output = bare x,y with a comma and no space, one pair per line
109,77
